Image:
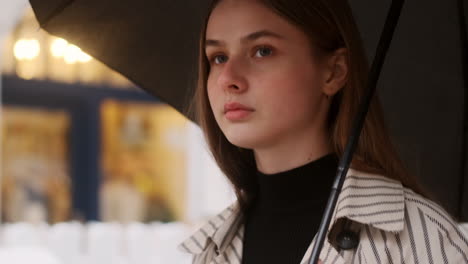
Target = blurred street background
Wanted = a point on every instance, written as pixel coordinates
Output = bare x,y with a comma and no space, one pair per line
93,169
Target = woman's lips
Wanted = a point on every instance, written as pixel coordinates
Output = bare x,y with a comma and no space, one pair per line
235,115
235,111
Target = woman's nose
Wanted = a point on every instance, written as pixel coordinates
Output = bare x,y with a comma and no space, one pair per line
232,79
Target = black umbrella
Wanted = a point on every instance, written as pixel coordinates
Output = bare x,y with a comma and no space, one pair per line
423,83
152,43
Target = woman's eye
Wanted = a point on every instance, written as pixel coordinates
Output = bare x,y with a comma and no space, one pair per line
219,59
263,52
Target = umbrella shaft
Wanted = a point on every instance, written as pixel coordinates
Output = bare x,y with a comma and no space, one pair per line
384,44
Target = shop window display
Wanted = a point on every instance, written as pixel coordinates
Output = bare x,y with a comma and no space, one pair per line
143,162
35,182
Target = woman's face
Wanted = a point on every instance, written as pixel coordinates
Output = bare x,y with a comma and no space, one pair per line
264,84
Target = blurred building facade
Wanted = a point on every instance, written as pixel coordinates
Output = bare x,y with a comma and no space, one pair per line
80,141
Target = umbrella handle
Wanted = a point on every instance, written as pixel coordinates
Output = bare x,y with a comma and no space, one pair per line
384,43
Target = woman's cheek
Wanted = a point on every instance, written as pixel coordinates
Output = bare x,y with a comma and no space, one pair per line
214,98
210,87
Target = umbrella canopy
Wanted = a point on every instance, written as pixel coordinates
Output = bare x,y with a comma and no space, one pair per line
422,86
152,43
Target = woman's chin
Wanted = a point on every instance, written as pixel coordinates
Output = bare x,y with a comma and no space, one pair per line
247,135
247,140
243,140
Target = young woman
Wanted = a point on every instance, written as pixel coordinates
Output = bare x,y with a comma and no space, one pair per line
280,83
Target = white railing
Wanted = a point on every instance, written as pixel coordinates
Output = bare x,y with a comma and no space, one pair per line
93,243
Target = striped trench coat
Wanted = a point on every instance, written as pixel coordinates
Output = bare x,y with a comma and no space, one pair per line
394,225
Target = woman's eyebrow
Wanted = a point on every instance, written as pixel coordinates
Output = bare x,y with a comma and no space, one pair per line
250,37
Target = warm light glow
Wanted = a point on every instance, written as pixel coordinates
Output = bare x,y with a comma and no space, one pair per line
26,73
83,57
26,49
58,47
73,54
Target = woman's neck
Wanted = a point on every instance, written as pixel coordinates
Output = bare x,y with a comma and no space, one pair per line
292,153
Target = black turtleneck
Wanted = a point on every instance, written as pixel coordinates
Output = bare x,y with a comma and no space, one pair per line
286,215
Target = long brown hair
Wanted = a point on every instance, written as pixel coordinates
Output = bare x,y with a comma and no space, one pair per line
330,25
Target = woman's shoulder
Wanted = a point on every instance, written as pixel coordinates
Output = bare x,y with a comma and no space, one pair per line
417,205
435,228
416,229
412,204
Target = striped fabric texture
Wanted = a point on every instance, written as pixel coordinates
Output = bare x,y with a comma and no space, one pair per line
394,225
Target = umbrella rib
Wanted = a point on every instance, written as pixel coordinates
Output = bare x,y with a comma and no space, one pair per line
56,11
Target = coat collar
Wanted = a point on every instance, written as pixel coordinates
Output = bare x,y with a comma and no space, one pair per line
366,198
215,229
373,200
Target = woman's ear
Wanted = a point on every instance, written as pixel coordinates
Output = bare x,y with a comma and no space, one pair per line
337,72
